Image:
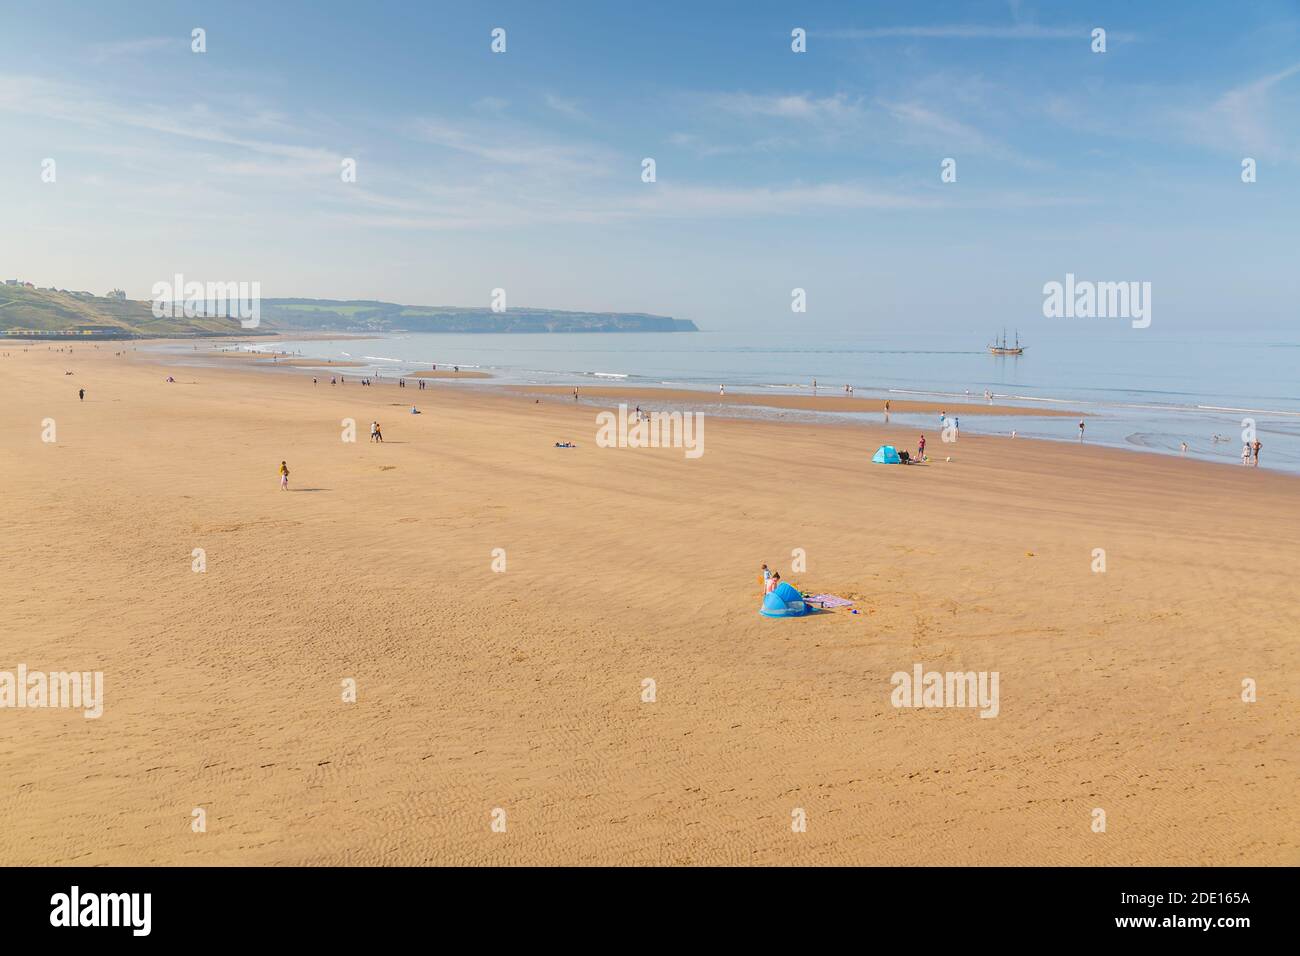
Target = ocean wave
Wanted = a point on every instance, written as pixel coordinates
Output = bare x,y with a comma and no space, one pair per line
1253,411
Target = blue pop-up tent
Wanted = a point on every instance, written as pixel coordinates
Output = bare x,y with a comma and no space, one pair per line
784,601
886,455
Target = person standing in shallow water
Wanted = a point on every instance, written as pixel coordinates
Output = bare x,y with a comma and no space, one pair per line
284,476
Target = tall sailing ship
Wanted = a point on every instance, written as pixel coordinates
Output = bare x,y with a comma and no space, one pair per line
1002,348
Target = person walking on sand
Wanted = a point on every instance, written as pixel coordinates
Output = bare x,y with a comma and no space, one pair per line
81,394
920,449
379,433
575,393
284,476
1257,447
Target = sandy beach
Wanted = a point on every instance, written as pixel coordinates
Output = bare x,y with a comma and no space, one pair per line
803,399
519,694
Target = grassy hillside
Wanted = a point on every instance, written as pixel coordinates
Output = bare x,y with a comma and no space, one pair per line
47,311
355,315
23,308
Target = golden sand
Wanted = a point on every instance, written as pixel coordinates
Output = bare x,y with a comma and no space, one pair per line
522,691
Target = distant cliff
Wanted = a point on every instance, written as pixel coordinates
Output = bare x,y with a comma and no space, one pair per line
51,312
333,315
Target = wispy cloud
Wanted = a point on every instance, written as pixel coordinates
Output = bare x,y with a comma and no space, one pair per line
797,106
197,123
565,107
486,210
486,173
1248,118
966,31
492,104
130,49
703,146
953,134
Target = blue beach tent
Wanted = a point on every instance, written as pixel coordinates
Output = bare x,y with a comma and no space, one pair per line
886,455
784,601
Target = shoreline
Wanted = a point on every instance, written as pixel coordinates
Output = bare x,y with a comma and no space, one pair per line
781,403
832,402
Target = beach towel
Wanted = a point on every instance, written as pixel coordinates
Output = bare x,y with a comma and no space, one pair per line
828,601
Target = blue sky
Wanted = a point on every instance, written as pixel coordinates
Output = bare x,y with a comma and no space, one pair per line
775,170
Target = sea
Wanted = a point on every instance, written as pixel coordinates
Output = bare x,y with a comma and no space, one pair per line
1141,389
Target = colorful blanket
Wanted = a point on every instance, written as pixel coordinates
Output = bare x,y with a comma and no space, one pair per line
828,601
